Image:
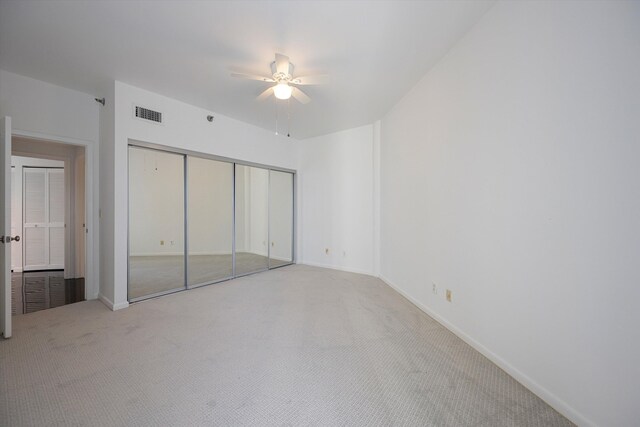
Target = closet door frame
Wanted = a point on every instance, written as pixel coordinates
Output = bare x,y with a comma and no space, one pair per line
234,162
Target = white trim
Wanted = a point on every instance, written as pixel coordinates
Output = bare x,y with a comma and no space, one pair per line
92,177
114,307
51,138
336,267
158,254
209,253
279,258
551,399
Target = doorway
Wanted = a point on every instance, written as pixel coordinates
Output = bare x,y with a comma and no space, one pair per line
48,215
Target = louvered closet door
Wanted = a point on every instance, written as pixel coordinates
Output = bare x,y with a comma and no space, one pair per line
56,217
43,196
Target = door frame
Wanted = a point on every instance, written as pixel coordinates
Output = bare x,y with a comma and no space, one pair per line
92,212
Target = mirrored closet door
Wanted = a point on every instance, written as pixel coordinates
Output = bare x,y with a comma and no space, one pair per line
252,222
196,220
156,222
209,221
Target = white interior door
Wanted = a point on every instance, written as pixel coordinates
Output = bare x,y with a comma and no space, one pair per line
16,218
5,224
43,218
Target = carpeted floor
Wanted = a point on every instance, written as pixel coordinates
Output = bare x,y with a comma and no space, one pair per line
153,274
293,346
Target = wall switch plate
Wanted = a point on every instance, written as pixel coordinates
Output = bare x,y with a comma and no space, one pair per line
449,295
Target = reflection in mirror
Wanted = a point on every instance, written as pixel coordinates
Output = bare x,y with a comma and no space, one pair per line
156,222
280,218
210,220
252,205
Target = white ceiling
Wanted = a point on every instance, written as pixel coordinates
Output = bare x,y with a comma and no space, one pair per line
374,51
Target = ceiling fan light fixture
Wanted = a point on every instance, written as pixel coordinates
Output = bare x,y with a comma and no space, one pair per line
282,90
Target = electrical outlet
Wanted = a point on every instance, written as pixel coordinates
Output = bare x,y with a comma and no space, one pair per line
173,242
161,242
449,295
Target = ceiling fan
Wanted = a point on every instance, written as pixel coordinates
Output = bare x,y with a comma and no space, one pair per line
285,84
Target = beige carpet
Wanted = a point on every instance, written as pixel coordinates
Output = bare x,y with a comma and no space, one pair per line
293,346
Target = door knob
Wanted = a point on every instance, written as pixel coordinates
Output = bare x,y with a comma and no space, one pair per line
17,238
9,239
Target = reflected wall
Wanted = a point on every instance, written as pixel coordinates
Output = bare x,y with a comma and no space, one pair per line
156,222
210,220
252,222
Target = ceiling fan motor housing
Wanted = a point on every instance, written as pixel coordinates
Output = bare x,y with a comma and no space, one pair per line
277,76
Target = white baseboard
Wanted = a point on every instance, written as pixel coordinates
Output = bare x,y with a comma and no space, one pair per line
551,399
106,301
158,254
336,267
280,258
210,253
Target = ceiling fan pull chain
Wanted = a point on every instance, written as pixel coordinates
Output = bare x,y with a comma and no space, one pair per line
289,118
275,102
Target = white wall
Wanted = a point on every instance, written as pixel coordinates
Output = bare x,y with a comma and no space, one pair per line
156,196
211,206
40,107
510,175
281,215
48,112
185,126
336,187
108,173
257,210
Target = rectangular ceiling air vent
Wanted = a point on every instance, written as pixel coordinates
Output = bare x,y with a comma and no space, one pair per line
147,114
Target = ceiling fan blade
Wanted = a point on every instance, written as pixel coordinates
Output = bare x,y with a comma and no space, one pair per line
253,77
266,94
318,79
282,63
300,96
